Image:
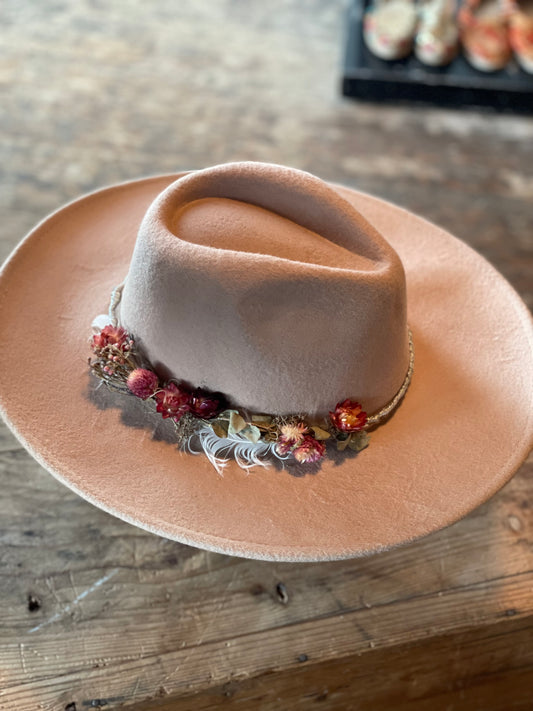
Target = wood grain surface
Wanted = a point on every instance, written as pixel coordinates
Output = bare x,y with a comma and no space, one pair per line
98,614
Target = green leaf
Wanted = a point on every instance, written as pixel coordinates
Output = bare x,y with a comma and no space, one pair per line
220,429
342,444
226,415
359,440
262,419
252,433
236,423
320,433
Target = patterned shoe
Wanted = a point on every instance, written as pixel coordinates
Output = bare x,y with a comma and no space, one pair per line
521,33
483,30
389,28
437,40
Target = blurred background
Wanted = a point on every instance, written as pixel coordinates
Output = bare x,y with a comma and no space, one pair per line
96,92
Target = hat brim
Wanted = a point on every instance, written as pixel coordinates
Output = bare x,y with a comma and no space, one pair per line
462,430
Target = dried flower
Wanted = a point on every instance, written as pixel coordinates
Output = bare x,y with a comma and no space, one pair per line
284,448
142,382
293,431
206,405
291,434
310,450
111,336
348,416
172,401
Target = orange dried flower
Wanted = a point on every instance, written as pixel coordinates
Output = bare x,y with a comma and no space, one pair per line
348,416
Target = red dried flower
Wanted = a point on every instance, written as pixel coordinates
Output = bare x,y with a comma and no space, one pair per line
142,382
111,336
206,405
310,450
173,401
348,416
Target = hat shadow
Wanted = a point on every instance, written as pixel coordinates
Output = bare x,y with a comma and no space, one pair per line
133,411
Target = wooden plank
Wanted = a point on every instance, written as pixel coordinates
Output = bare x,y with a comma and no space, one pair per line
32,664
487,669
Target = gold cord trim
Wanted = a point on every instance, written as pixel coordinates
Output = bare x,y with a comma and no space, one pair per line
377,417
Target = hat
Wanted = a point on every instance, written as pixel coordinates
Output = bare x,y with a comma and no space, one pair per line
260,298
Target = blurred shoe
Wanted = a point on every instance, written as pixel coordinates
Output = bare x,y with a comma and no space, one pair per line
389,28
437,40
521,33
483,30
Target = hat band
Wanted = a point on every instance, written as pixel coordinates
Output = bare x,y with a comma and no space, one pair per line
371,421
222,431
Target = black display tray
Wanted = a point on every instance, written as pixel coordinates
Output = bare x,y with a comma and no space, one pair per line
369,78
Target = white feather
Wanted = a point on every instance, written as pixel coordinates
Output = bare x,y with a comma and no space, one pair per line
100,322
221,450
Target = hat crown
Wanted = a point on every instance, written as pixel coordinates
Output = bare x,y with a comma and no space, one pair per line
263,283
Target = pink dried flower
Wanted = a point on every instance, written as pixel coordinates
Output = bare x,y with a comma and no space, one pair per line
142,382
111,336
293,432
348,416
173,401
283,448
310,450
206,405
291,435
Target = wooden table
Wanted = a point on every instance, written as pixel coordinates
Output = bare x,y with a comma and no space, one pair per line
98,614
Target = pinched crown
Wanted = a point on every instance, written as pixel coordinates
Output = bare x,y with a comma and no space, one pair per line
263,283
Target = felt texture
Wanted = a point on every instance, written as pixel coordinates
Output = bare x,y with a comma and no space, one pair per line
462,430
261,282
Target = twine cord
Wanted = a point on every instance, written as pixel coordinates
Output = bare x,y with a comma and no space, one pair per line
116,296
376,418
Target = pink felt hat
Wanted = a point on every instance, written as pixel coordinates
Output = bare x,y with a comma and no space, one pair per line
256,303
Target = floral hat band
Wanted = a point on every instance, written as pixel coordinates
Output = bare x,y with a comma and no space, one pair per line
208,422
